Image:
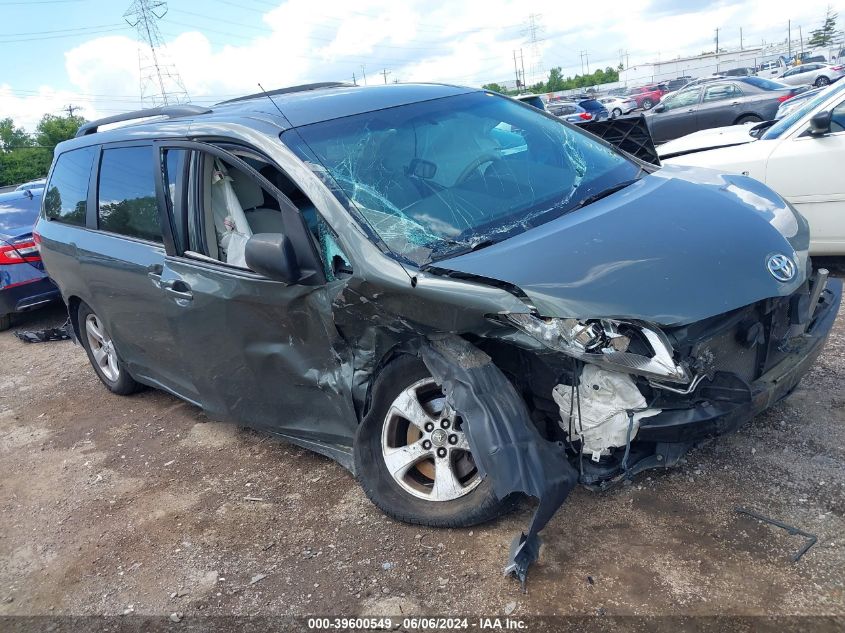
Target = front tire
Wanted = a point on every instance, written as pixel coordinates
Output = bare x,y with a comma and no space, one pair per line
411,455
648,104
615,113
102,353
748,118
822,81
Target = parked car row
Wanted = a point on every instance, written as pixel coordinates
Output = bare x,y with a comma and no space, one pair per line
801,156
717,103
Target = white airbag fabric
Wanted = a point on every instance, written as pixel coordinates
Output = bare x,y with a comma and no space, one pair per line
606,397
230,223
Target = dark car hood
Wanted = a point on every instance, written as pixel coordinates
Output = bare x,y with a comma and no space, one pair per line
679,245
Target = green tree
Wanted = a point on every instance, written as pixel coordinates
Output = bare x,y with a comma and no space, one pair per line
496,88
52,129
27,156
823,35
13,137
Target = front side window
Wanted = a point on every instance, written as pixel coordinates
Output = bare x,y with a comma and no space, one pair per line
126,198
66,195
440,177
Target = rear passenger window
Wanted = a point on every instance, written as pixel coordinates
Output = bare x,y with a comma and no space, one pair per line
66,196
126,197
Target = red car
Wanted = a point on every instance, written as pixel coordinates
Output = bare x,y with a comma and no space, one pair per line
647,96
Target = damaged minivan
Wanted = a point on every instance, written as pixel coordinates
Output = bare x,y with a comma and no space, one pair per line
455,295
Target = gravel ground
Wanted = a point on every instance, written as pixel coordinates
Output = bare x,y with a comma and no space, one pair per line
112,505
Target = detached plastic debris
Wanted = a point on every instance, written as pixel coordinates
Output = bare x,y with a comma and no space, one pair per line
46,335
506,445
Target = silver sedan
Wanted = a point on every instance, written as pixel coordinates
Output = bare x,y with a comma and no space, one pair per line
814,73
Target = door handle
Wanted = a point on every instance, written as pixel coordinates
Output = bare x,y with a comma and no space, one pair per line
177,288
154,274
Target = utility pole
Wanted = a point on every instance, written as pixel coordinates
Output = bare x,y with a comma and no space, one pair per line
364,73
717,41
740,38
385,73
789,39
354,80
801,40
515,70
160,82
522,63
70,108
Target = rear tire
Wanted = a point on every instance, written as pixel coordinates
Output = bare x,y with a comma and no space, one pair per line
822,81
615,113
5,322
103,355
469,501
748,118
648,104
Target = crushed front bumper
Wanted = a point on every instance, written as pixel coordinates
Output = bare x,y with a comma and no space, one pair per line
709,419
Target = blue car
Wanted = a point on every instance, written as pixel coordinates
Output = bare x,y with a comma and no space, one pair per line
23,283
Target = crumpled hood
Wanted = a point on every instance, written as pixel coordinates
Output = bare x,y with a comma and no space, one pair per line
680,245
707,139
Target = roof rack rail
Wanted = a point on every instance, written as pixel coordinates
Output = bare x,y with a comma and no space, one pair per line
168,111
283,91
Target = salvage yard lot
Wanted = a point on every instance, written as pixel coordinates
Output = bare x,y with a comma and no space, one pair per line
117,505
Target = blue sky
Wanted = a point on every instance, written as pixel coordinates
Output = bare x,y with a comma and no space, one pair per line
81,52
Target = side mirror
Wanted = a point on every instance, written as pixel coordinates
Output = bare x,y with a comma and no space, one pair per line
660,107
820,123
272,255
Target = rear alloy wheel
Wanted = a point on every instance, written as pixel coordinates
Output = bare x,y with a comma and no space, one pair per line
412,456
648,104
102,353
616,112
822,81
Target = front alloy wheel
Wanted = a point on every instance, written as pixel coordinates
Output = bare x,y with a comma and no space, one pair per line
412,457
424,447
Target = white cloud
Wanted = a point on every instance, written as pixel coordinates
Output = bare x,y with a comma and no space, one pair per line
461,42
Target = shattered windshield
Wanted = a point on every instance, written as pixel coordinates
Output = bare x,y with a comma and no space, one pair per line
438,178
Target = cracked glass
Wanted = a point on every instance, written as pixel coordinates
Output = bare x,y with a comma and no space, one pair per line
439,178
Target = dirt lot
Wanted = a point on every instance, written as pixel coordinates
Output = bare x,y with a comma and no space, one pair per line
119,505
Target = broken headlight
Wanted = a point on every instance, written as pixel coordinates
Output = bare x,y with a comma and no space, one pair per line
627,346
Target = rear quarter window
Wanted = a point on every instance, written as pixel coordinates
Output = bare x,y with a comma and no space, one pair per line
126,198
66,195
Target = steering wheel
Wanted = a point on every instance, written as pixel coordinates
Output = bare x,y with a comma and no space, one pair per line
488,157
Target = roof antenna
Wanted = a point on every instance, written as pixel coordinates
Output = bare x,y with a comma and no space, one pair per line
275,104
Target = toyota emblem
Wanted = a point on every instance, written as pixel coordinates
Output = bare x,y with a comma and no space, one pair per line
782,267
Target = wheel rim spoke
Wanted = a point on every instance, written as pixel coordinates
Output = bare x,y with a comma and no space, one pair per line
408,406
399,460
99,355
462,443
446,484
93,329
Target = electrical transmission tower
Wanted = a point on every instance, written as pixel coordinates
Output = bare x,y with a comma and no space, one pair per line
532,31
160,81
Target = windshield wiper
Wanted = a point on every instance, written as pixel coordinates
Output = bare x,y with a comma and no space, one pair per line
604,193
